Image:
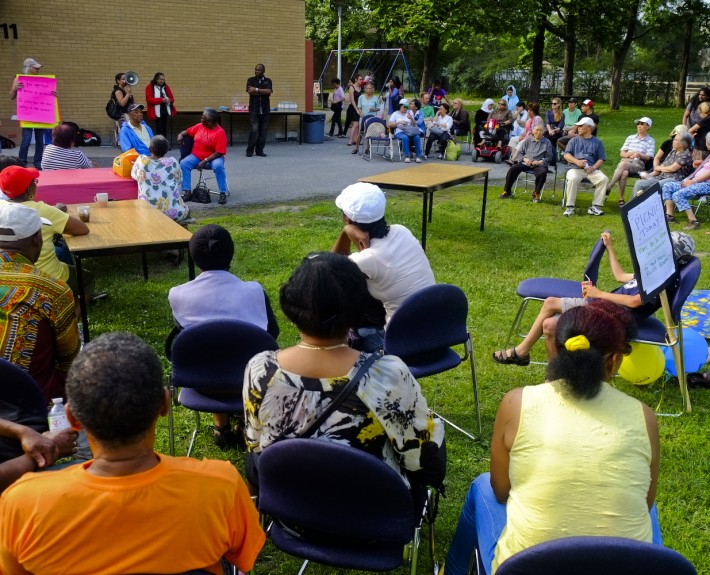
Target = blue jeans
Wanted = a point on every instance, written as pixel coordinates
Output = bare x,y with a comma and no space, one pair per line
39,145
190,162
480,524
405,144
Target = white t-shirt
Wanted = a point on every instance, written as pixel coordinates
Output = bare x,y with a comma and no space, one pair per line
396,267
399,117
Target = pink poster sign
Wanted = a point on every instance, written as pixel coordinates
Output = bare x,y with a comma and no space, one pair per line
35,100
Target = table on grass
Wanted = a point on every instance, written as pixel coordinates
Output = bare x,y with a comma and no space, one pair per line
427,179
80,186
125,227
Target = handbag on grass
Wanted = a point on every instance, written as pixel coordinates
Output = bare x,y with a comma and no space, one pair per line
201,193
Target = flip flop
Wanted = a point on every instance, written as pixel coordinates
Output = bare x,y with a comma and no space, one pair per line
504,358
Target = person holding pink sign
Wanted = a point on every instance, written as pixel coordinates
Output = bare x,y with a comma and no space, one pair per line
31,66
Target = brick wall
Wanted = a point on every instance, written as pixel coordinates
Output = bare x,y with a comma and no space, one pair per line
206,50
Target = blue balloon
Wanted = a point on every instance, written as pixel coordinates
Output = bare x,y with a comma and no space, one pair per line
695,352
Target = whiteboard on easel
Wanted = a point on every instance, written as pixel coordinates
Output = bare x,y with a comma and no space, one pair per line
649,242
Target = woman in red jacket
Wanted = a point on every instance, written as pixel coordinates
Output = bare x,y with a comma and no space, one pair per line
160,102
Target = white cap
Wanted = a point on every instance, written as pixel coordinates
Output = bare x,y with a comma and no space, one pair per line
31,63
586,121
362,203
18,222
646,120
404,102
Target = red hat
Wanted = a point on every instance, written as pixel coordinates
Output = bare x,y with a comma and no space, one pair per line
14,180
588,103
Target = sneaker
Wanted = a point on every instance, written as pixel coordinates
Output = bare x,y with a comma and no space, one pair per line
222,198
505,195
595,211
407,160
418,160
438,156
425,157
694,225
536,198
569,211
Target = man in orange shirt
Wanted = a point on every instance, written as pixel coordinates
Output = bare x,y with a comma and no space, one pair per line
130,509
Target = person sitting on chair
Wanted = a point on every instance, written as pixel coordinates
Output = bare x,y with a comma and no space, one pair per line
285,391
61,154
208,151
626,295
480,119
638,149
159,180
586,154
503,122
533,155
439,131
462,125
135,133
198,511
390,256
675,165
573,456
406,130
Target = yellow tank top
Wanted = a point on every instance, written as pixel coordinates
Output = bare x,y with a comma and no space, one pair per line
577,467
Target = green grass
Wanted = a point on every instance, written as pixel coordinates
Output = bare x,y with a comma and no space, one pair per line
521,240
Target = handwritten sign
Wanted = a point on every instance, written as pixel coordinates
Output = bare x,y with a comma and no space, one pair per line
649,242
316,88
35,100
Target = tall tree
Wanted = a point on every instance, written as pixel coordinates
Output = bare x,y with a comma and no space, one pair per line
564,26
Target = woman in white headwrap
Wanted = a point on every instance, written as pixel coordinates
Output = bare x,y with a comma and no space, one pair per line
481,118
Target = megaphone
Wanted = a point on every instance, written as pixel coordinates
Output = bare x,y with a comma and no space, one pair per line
132,78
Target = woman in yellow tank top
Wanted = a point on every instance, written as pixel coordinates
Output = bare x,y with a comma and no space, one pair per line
573,456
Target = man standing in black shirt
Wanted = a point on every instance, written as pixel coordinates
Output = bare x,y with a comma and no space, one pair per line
259,90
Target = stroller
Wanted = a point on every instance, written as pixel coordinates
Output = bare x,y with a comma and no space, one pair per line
487,149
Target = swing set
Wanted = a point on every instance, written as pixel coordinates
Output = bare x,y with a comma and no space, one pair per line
373,61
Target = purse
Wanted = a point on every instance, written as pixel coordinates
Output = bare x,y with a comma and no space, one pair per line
411,131
436,131
113,108
201,193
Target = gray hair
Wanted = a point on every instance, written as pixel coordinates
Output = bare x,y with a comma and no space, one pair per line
707,138
685,138
159,145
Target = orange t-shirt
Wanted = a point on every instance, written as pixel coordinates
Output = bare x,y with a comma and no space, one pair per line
207,141
181,515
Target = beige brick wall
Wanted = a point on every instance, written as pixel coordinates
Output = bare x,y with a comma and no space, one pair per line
206,50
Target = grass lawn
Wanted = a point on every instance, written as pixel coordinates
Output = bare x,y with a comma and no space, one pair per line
521,240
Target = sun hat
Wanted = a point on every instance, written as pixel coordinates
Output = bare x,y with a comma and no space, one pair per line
362,203
20,222
14,180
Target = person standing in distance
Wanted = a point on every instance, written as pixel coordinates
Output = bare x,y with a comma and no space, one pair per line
259,89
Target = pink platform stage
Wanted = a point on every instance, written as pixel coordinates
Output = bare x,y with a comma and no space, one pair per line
80,186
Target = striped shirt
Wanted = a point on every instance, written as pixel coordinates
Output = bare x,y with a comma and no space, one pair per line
38,326
56,158
645,146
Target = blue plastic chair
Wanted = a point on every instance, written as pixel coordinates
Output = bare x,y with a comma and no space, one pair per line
539,289
422,331
596,555
208,362
339,506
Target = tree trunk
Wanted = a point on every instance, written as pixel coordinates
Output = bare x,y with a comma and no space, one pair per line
620,54
684,63
570,48
429,67
538,54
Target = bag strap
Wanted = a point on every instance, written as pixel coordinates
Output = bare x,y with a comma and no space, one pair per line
347,390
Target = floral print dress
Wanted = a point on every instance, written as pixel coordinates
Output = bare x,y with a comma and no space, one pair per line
159,184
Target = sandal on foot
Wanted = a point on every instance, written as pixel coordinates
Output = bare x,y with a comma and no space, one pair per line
224,437
621,203
503,357
694,225
670,219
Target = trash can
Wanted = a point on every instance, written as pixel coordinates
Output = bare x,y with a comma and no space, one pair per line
313,127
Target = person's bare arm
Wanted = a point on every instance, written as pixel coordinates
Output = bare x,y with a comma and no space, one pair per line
653,436
351,234
619,274
15,87
504,431
75,227
674,167
123,97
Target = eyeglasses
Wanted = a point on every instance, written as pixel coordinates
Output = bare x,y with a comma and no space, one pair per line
555,103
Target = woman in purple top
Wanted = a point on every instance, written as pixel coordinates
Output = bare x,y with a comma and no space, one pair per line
437,95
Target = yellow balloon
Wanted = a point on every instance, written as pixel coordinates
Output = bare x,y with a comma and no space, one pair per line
643,365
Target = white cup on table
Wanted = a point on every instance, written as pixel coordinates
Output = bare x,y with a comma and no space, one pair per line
101,199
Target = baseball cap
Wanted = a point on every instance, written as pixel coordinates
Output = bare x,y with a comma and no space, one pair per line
574,100
14,180
588,103
585,122
31,63
404,102
646,120
362,203
135,107
18,222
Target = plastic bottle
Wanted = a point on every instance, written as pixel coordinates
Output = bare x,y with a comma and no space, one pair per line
57,418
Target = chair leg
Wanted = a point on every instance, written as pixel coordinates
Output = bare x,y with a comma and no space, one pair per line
171,424
194,433
469,345
518,320
302,570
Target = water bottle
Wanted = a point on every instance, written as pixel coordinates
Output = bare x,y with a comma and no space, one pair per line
57,418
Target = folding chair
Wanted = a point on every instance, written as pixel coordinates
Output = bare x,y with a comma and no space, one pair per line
701,201
208,361
422,331
595,555
377,138
539,289
340,506
653,331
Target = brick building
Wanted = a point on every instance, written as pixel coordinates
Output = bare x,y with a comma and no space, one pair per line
206,50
